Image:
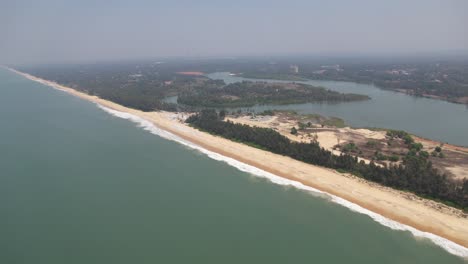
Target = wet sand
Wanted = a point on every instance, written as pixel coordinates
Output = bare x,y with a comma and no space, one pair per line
403,207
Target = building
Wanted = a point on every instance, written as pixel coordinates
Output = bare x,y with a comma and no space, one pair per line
294,68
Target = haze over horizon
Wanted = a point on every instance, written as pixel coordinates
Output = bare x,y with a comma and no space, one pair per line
63,31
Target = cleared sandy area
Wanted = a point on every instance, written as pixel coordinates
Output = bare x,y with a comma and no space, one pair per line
327,137
422,214
455,162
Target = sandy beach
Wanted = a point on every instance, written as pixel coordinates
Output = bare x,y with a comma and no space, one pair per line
454,162
406,208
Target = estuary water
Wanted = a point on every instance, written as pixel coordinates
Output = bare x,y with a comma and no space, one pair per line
434,119
78,185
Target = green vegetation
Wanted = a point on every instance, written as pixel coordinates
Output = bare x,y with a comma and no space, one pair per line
144,90
372,143
245,94
350,147
438,152
379,156
267,113
147,83
146,86
334,122
414,149
446,79
400,134
222,114
424,154
286,77
303,126
416,146
397,133
315,118
415,173
293,131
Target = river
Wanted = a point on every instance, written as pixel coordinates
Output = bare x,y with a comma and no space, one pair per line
434,119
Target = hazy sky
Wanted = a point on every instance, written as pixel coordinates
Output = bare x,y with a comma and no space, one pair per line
37,31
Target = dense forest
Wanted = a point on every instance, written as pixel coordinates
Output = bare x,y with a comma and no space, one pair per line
445,78
136,87
448,81
145,86
415,174
246,93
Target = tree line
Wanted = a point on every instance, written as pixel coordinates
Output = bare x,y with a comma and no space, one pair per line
247,93
415,174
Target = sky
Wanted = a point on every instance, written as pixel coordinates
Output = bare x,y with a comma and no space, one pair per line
48,31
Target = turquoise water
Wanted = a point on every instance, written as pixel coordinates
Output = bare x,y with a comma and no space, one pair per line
434,119
78,185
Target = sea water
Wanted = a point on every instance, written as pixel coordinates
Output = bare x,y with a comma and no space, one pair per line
81,184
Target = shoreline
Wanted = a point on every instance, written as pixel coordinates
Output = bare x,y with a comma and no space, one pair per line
458,100
454,162
398,206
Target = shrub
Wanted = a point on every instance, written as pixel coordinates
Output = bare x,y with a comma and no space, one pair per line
408,139
371,143
380,156
294,131
424,154
350,147
416,146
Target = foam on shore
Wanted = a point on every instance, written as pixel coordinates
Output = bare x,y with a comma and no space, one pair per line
446,244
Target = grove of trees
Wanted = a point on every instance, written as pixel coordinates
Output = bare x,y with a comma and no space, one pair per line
415,174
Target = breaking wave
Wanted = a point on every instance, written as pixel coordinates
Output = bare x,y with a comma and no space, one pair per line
446,244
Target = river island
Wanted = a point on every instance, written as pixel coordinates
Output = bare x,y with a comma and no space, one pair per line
401,206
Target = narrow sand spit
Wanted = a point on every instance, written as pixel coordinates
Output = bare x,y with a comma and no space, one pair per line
424,215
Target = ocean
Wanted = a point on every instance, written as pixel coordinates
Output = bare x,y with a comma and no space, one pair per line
82,184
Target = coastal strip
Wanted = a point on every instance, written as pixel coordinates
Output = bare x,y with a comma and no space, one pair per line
395,209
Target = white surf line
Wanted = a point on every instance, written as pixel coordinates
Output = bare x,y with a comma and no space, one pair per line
444,243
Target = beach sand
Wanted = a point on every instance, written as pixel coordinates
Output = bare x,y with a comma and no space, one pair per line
424,215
